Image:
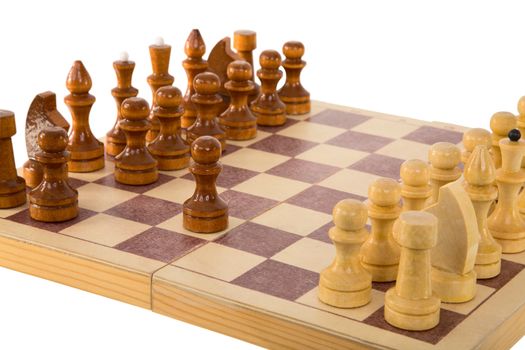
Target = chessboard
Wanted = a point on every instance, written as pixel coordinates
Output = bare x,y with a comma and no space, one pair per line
257,280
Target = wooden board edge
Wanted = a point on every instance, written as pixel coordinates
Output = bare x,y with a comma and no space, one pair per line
240,322
507,334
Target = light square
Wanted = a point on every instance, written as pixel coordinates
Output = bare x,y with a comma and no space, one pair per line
482,293
176,190
260,135
105,229
175,224
219,261
271,186
294,219
359,313
254,160
351,181
405,149
108,168
309,254
311,131
175,173
100,198
12,211
386,128
518,258
332,155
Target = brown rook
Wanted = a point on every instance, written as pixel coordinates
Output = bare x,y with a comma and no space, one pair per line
205,211
293,94
135,165
245,41
53,200
170,151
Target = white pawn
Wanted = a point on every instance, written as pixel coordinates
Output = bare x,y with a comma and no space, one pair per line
415,189
472,138
345,283
444,158
411,305
501,123
380,253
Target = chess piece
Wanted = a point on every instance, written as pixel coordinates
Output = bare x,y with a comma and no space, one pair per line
245,41
411,304
380,253
505,223
53,200
345,283
170,151
268,107
205,211
115,138
206,100
12,186
218,60
501,123
472,138
86,152
444,158
237,120
135,165
480,174
293,94
42,113
193,65
454,256
160,62
415,189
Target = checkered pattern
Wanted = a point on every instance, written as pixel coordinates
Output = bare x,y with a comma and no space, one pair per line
281,188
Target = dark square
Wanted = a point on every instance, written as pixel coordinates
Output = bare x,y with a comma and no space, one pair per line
230,176
360,141
110,181
321,198
159,244
278,279
274,129
321,234
145,209
431,135
303,170
379,165
383,286
284,145
23,217
246,206
258,239
76,183
509,269
230,149
339,119
448,320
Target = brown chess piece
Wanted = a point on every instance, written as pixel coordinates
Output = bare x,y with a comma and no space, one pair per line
135,165
169,148
268,107
206,100
205,211
12,186
238,120
293,94
160,63
53,200
245,41
193,65
42,113
115,138
86,152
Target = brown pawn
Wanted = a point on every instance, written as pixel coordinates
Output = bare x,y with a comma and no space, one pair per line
168,148
12,187
160,62
135,165
293,94
54,200
207,101
268,107
115,138
245,41
205,211
238,120
193,65
87,153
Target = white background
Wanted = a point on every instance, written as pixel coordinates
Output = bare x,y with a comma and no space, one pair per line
447,61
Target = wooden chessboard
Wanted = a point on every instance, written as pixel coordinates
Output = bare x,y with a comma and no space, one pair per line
257,281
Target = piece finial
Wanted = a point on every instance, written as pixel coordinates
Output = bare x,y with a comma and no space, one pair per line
444,155
415,172
350,215
270,59
78,80
135,108
384,192
206,150
207,83
53,139
195,46
124,56
159,41
514,135
476,136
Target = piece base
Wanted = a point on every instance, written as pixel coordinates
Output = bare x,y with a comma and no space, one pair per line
270,119
411,322
385,273
240,134
187,121
114,148
484,271
453,288
33,173
511,246
176,163
205,224
53,214
297,108
14,199
85,166
345,299
143,177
